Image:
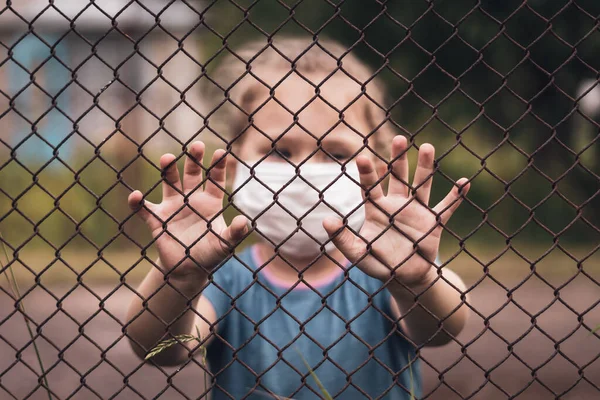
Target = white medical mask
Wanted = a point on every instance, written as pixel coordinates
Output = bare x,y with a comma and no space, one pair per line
280,217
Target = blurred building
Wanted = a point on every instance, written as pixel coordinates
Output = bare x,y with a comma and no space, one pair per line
78,73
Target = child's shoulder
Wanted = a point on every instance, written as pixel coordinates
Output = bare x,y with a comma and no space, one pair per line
238,269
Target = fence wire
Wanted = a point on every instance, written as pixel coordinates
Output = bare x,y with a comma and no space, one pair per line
93,92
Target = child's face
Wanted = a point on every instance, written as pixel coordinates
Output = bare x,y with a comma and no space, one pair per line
314,121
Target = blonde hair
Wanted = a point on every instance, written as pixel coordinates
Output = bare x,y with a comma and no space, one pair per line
234,83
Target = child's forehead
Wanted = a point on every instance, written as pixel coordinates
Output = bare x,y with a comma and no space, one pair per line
301,134
338,90
297,98
295,91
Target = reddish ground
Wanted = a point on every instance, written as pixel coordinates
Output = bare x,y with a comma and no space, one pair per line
509,355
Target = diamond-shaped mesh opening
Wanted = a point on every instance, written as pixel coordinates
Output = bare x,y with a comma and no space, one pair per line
19,381
391,298
106,381
21,236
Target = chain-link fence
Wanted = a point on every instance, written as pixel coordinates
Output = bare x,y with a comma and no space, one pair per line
93,93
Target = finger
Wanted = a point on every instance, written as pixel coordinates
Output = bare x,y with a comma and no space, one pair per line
369,178
171,182
450,203
351,246
399,179
424,172
192,169
234,233
144,209
215,183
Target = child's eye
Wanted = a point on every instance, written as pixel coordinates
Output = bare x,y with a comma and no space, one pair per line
280,153
339,156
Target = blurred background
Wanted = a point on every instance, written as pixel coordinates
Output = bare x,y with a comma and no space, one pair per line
92,93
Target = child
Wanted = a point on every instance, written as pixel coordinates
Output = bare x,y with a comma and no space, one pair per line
344,286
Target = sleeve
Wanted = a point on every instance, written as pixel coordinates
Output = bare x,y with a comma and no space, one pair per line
221,288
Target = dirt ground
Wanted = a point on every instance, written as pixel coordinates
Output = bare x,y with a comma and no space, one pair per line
534,346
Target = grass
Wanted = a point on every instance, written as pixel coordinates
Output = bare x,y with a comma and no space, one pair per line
13,285
510,267
165,344
85,264
556,267
126,263
324,391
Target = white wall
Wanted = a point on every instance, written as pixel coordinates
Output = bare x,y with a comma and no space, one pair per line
96,122
177,16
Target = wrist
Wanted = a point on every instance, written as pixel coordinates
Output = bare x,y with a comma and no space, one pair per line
188,283
400,288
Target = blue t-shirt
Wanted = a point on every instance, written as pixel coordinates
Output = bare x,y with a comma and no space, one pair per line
343,329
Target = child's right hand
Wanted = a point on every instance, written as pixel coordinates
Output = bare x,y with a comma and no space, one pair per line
177,226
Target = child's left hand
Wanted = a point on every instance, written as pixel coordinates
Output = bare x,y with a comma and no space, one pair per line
392,247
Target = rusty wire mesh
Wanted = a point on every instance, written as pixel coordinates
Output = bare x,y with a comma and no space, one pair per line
64,181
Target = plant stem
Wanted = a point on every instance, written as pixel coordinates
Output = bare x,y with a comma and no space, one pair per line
203,360
21,306
315,377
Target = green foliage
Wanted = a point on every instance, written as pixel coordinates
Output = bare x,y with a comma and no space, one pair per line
493,111
89,212
495,95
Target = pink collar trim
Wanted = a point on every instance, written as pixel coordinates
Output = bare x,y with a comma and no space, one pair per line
269,276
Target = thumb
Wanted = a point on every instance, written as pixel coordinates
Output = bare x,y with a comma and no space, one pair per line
351,246
144,209
234,233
